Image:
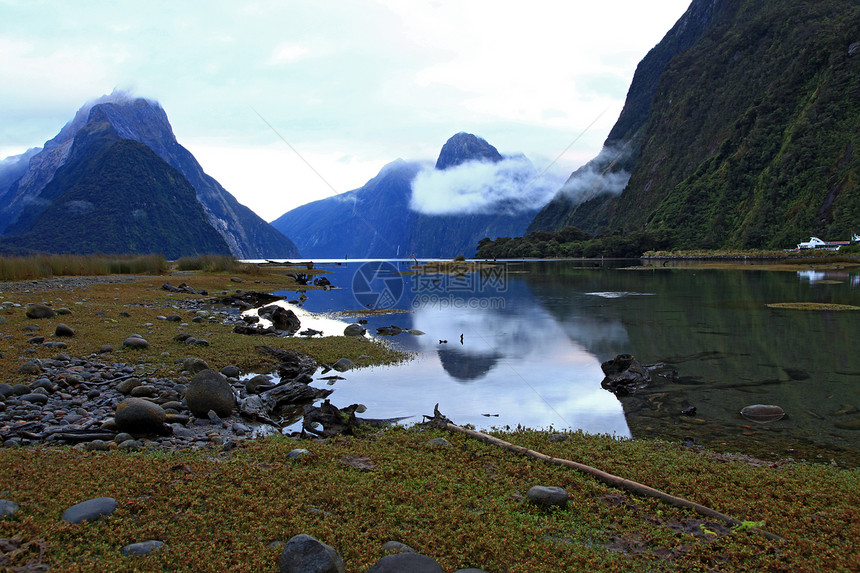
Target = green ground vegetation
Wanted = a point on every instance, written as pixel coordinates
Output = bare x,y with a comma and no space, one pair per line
462,504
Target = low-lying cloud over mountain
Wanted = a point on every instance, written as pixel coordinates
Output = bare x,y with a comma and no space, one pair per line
597,177
510,186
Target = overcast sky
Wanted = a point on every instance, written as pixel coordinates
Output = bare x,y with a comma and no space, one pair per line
350,85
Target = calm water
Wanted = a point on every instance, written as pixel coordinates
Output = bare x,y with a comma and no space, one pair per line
534,335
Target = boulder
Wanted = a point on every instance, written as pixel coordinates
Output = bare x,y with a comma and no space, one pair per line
285,320
7,508
230,371
624,374
30,367
209,390
193,365
135,342
258,383
64,330
139,416
548,496
354,330
90,510
401,562
40,311
304,554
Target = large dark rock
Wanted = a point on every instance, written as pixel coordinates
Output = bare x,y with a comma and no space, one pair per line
139,416
209,390
548,496
354,330
282,319
90,510
40,311
624,374
305,554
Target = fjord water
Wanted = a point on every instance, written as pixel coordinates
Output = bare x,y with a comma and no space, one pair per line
534,335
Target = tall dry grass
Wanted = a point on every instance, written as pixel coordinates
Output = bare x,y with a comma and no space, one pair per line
215,264
47,266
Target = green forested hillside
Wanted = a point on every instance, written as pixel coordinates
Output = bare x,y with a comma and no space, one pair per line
753,134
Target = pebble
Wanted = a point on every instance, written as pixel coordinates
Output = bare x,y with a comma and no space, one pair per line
90,510
143,548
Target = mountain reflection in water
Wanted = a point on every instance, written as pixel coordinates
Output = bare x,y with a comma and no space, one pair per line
533,356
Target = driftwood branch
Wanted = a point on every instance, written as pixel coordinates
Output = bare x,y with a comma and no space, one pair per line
612,480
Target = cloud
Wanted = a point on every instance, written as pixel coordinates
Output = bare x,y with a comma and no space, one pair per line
287,54
510,186
597,177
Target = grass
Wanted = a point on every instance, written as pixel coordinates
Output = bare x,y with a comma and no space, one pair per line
98,320
812,306
37,267
216,264
463,505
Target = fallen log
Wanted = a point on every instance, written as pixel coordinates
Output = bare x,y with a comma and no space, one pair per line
440,421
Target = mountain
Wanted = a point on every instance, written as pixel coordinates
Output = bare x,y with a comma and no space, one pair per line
145,122
116,195
382,219
738,131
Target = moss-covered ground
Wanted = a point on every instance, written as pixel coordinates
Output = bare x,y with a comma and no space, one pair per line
462,504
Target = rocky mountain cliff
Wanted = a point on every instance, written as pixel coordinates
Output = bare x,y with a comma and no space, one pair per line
380,219
739,131
115,195
144,121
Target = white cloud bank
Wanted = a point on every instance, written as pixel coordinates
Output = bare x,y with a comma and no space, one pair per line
597,177
510,186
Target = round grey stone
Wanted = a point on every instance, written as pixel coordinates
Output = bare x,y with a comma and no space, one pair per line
297,453
230,371
135,342
548,496
90,510
64,330
40,311
35,398
7,508
438,443
144,548
354,330
304,554
209,390
136,415
30,367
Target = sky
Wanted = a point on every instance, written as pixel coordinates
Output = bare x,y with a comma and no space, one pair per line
287,102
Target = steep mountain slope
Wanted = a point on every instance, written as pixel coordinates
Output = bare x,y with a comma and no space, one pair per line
144,121
115,196
751,132
380,219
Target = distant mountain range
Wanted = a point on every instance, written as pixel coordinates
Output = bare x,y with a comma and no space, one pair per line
740,130
414,208
115,180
